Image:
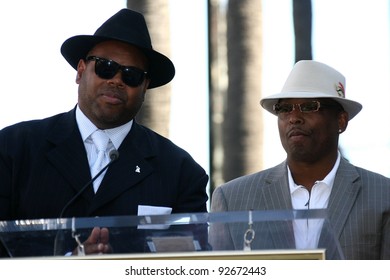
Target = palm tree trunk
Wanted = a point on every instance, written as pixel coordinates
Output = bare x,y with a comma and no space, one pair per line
243,123
302,16
155,112
217,62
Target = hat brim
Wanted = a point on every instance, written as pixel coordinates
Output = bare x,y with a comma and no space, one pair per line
350,106
161,69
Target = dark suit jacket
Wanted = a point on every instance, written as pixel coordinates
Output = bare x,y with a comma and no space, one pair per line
43,164
358,209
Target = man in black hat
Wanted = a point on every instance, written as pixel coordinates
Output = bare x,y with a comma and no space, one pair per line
50,168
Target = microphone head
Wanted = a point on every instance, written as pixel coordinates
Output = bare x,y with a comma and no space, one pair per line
114,154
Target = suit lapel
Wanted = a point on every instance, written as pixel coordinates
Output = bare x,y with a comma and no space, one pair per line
276,196
342,198
345,190
131,167
68,155
276,193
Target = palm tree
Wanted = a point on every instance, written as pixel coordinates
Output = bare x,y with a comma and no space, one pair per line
242,118
217,46
302,16
155,112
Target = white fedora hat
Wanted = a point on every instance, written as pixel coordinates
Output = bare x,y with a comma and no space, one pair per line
312,79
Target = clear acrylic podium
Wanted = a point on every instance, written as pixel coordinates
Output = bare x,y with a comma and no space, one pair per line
222,235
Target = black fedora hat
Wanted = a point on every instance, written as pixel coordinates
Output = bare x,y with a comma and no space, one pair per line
129,27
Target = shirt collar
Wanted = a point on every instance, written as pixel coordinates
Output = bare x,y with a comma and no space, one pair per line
86,127
328,180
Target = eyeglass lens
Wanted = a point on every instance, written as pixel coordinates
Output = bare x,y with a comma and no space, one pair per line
305,107
107,69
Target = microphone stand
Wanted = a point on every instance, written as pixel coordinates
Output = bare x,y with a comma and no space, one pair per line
59,239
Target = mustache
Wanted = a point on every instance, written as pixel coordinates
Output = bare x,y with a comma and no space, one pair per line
295,131
113,92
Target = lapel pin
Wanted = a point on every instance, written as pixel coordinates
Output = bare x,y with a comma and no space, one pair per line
137,169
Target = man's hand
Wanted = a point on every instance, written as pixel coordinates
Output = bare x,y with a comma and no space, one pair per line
97,242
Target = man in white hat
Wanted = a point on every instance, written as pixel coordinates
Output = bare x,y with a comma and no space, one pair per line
312,112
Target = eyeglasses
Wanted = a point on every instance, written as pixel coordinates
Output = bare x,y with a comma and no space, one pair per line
305,107
107,69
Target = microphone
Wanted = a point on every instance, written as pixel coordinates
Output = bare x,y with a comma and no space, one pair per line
113,155
4,250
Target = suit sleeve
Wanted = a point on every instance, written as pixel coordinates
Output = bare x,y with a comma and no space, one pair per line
218,202
5,180
193,187
219,234
385,253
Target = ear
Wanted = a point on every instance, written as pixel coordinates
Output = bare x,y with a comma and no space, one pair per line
146,85
145,88
81,66
343,121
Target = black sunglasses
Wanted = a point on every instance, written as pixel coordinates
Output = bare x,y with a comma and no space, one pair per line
107,69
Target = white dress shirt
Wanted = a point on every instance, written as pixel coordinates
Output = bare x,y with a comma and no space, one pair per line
86,127
307,232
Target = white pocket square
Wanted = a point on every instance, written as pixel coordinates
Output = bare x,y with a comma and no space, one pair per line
148,210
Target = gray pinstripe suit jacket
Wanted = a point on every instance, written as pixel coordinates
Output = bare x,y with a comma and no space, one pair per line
358,210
